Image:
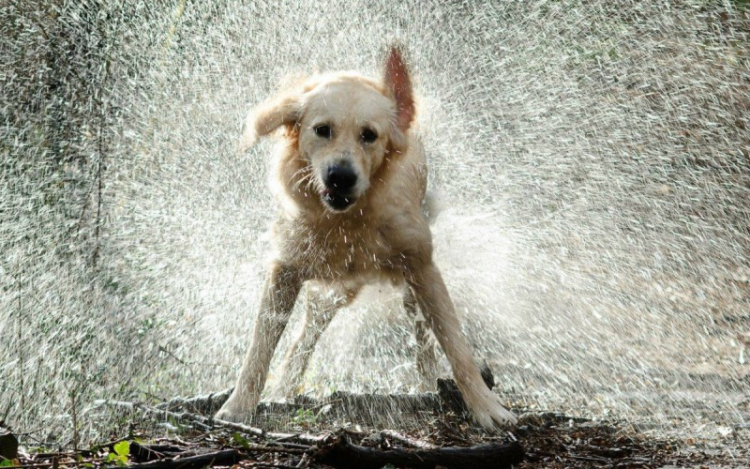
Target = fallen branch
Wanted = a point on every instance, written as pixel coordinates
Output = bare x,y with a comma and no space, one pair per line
143,452
220,458
405,440
24,466
207,404
368,409
343,454
208,422
226,457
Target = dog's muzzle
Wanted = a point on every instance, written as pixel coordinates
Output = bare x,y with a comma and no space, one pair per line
339,183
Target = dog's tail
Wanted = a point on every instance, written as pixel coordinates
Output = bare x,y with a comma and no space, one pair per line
432,205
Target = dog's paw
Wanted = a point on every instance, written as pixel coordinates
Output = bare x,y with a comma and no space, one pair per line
232,416
235,411
488,411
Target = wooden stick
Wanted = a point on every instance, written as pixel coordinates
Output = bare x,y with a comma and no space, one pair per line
226,457
205,404
343,454
23,466
406,441
209,421
220,458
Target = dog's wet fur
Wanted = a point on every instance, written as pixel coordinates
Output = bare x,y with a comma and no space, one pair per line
351,178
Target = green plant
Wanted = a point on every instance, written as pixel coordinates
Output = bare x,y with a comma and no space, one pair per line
304,417
121,454
82,462
240,440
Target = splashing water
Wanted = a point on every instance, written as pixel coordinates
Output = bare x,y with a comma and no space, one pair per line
593,159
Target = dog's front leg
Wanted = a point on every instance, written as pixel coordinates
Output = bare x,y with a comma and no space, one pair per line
438,308
322,305
426,360
279,294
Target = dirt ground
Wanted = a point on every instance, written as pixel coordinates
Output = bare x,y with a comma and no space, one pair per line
540,440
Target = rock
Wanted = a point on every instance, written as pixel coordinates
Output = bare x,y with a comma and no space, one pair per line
8,445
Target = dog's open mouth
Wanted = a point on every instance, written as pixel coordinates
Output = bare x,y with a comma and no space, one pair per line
337,201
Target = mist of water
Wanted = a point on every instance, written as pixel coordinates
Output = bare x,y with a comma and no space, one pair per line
593,159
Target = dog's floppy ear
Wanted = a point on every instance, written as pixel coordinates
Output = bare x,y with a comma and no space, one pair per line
398,87
284,110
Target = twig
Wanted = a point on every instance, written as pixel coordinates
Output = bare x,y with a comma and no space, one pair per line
226,457
271,465
75,421
304,461
193,418
168,352
596,459
406,441
21,466
220,458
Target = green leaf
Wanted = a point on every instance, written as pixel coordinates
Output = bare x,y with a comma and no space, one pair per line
123,449
240,440
119,459
6,463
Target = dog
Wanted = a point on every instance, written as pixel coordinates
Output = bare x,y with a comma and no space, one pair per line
351,178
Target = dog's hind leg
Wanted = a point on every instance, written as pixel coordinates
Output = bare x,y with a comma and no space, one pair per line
322,305
426,360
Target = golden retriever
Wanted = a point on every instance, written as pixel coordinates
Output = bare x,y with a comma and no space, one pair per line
351,179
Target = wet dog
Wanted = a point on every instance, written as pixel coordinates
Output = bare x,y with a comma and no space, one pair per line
351,178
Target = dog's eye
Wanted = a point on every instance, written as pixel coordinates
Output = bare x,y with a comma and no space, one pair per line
323,130
368,135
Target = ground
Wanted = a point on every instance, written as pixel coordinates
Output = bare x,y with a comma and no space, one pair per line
170,439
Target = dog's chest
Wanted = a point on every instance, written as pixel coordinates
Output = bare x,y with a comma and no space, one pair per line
340,251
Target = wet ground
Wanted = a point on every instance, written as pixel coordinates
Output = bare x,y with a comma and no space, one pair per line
310,434
547,440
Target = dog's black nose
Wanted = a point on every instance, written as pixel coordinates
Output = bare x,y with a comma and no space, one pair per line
340,178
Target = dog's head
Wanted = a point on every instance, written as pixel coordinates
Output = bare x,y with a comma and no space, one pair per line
344,126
